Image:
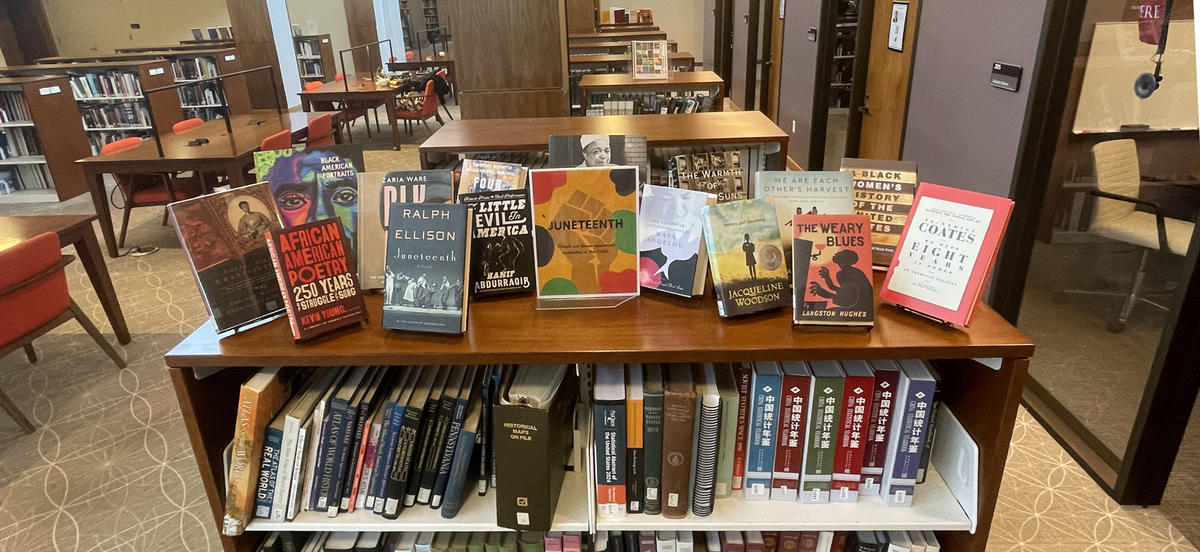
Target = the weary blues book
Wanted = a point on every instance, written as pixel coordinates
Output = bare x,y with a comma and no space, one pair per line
832,270
428,250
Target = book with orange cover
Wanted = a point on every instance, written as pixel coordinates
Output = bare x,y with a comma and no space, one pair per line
259,401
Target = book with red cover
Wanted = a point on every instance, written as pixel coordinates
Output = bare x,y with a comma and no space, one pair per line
808,541
831,270
731,541
317,277
754,541
856,412
946,252
789,445
770,541
789,541
742,373
879,425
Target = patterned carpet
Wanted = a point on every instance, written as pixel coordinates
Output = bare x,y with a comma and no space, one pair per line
110,468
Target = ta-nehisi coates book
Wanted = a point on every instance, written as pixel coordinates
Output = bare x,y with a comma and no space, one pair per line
831,269
317,277
746,257
224,235
428,249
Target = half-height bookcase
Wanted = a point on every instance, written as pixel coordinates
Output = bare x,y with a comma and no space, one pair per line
602,89
983,369
314,55
40,139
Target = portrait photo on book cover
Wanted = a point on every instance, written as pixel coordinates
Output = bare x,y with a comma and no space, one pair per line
316,184
600,150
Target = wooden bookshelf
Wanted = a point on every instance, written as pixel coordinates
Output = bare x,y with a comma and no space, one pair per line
617,27
205,45
53,122
314,55
983,370
610,47
619,63
609,36
689,82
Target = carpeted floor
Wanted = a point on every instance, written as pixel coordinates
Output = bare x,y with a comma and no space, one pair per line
109,467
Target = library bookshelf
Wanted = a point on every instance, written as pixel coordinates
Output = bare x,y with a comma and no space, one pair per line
677,82
314,56
983,369
40,112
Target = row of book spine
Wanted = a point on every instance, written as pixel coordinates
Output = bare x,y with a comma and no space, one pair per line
660,103
105,85
311,68
349,541
19,142
16,178
205,94
114,116
14,107
671,436
194,68
767,541
97,140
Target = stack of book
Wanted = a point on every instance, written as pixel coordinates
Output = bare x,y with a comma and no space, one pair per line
766,541
114,116
660,103
349,541
14,108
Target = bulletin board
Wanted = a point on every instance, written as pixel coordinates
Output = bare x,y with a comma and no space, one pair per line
1117,57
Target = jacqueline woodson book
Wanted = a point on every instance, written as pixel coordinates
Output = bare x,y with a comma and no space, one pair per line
746,256
317,277
502,239
831,265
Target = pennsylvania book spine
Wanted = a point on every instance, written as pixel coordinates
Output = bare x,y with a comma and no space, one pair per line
789,448
743,375
268,473
455,491
760,449
652,412
446,461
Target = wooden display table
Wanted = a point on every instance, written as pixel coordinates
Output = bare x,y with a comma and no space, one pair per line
689,81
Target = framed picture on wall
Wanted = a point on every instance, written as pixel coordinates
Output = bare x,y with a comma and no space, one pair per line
896,27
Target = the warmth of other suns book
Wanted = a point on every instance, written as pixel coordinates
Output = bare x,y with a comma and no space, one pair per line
746,256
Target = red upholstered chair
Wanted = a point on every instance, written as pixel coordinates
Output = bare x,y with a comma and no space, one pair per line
279,140
148,190
312,85
34,298
429,108
186,125
350,113
320,131
409,55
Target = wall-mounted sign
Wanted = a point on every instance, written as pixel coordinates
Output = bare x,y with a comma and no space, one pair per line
1006,76
324,41
896,28
230,57
156,71
49,90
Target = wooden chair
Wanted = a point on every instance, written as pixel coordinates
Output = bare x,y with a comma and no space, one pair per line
35,300
279,140
320,131
148,190
351,112
429,108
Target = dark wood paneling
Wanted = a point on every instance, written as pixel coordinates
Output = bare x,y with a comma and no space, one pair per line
68,141
237,89
25,33
581,16
166,106
256,48
513,103
360,24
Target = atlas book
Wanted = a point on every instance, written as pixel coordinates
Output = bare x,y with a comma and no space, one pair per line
828,381
946,252
804,193
765,383
489,176
879,425
502,240
310,184
915,396
884,191
429,250
649,59
585,236
259,400
601,150
377,192
745,254
831,270
721,173
609,435
789,449
671,240
224,235
856,410
317,276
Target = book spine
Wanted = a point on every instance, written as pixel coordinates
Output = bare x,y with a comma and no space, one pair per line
328,474
420,450
609,429
343,461
432,458
930,435
879,429
455,492
353,460
904,455
635,460
725,446
268,473
361,471
287,459
406,442
652,417
760,449
485,429
709,424
679,421
789,451
823,425
446,462
303,451
317,461
646,542
284,287
371,459
742,376
383,472
847,461
242,476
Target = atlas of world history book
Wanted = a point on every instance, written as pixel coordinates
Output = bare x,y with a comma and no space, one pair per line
377,192
831,270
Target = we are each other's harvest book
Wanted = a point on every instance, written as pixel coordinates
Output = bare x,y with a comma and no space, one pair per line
317,277
946,251
585,236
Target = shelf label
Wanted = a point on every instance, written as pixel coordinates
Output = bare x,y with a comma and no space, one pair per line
230,57
324,41
46,91
156,71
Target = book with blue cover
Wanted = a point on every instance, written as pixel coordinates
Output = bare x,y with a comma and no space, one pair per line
428,250
914,405
765,384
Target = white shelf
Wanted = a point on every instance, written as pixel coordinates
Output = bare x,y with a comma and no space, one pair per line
24,160
308,57
16,124
109,98
35,195
202,106
114,129
478,513
934,508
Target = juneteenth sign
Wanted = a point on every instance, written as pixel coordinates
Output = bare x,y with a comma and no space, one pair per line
318,278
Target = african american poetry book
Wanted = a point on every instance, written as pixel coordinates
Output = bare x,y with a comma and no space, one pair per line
585,236
377,192
831,270
317,277
225,237
502,242
746,257
428,250
884,191
311,184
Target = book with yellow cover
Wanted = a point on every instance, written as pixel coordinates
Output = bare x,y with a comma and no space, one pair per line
259,401
585,236
746,256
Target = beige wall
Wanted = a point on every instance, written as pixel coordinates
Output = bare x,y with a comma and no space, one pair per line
682,20
103,25
330,18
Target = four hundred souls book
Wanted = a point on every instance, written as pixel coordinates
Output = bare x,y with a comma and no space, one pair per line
488,176
314,184
671,240
832,270
746,257
317,277
428,249
377,192
585,236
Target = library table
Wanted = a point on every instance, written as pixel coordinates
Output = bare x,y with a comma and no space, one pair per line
225,152
418,65
362,90
73,230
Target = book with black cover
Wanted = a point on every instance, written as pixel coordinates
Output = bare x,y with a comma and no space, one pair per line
652,430
502,242
609,411
317,277
429,417
414,413
432,459
466,392
377,192
428,250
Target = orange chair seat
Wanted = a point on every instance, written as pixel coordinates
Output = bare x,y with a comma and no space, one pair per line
32,306
149,189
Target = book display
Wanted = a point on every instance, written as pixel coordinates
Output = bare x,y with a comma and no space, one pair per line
884,191
650,59
444,421
623,94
